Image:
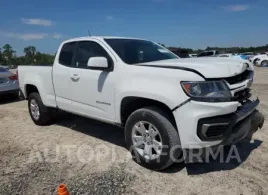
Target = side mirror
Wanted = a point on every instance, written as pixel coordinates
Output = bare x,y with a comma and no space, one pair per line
97,62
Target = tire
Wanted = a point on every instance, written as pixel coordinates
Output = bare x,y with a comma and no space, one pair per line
264,63
167,134
44,112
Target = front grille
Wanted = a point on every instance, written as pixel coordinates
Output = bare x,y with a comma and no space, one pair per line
238,78
242,95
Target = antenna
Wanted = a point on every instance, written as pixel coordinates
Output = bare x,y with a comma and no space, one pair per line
89,33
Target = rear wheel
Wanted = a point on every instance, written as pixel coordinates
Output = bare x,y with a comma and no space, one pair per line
40,114
152,139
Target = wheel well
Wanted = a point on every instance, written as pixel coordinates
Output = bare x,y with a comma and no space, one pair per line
130,104
30,89
255,60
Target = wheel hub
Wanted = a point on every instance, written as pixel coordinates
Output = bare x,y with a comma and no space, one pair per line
34,109
147,140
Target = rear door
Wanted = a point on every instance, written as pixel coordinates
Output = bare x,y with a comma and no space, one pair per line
92,88
61,76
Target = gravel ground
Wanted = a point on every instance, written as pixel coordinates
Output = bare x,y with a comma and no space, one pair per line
35,160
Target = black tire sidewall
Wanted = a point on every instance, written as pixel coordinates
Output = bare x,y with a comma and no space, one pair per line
43,118
164,158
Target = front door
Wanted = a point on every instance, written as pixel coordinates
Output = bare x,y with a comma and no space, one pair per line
92,89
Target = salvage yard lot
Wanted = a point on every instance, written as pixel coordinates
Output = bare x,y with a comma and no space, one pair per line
35,160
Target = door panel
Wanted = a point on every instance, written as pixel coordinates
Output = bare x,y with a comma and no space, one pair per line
93,93
92,89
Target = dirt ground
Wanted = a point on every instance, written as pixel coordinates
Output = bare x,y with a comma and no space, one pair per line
35,160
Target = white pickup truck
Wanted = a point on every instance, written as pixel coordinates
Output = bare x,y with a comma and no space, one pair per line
166,104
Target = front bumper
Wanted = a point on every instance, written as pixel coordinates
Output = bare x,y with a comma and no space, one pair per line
234,122
233,127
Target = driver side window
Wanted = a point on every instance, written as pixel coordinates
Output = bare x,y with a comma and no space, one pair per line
86,50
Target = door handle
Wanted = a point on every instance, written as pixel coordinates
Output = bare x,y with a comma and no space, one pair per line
75,77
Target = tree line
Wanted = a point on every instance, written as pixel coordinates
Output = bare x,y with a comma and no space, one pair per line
259,49
31,56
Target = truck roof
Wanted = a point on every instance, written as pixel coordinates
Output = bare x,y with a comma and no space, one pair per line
99,38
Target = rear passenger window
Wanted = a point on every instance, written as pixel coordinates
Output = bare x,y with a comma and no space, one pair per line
67,53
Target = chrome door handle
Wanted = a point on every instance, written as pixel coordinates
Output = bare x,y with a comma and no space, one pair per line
75,77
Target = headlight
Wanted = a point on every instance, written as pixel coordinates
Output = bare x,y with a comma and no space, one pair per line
207,91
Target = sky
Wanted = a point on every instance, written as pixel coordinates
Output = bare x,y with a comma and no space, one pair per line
180,23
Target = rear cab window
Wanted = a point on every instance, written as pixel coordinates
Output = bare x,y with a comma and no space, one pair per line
67,53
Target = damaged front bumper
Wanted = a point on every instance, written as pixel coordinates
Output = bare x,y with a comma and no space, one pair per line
233,127
230,129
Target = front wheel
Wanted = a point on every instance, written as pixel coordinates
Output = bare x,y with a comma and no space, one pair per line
39,113
152,139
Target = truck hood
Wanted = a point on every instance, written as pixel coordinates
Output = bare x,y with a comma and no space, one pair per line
210,67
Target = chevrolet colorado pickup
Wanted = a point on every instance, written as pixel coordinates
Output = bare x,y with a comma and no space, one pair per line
161,100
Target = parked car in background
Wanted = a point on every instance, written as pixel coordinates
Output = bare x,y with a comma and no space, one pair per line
262,61
182,53
257,57
4,66
228,55
165,103
13,67
238,57
9,84
209,53
248,55
193,55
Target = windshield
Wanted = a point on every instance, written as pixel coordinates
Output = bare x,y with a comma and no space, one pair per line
133,51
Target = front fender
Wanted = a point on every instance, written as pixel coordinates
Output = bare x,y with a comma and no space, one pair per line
159,90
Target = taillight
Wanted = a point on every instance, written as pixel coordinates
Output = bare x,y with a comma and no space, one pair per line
13,77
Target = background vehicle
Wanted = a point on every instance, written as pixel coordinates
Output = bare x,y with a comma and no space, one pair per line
262,61
182,53
193,55
236,56
257,57
8,83
248,55
4,66
208,53
165,103
228,55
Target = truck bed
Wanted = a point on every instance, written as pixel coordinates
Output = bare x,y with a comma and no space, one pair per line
40,76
